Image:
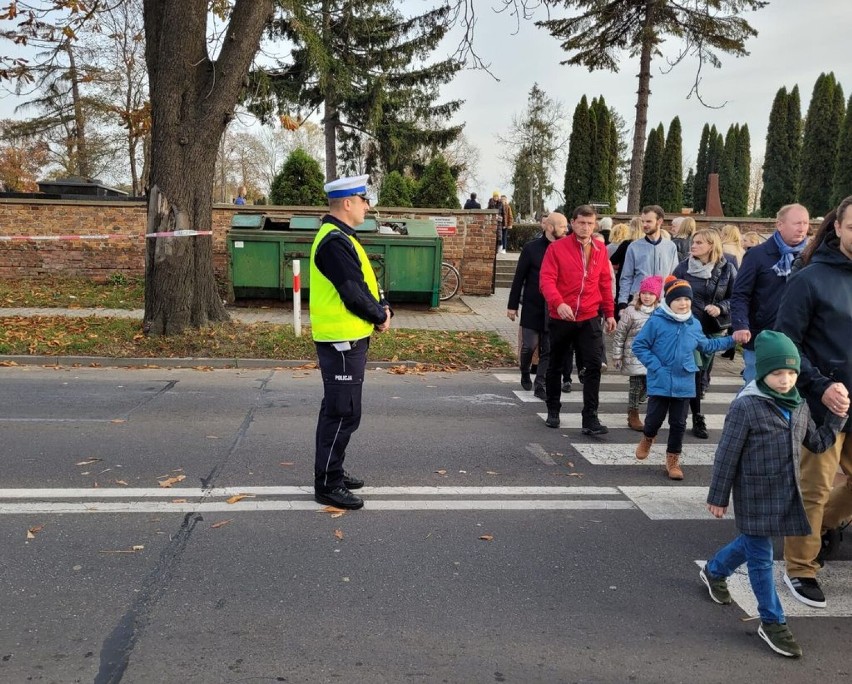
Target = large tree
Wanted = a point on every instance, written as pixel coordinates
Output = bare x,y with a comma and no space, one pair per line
819,149
600,31
368,72
794,140
689,189
699,194
779,177
671,174
653,166
578,166
843,175
437,187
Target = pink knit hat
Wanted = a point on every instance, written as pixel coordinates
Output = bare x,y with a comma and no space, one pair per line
652,284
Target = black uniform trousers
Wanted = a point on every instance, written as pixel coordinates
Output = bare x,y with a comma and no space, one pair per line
340,411
586,338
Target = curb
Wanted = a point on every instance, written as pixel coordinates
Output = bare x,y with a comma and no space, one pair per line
130,362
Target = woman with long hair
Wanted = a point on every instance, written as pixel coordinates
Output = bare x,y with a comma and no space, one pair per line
732,244
711,277
635,232
683,228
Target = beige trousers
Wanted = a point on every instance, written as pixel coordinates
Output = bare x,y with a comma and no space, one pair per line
826,504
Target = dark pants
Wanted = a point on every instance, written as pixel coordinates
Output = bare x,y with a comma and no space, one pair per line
340,411
531,340
676,409
584,337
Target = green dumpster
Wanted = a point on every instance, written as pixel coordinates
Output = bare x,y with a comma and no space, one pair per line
405,254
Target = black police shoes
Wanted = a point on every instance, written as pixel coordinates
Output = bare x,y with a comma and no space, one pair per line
352,482
339,497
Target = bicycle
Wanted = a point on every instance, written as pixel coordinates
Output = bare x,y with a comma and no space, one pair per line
450,281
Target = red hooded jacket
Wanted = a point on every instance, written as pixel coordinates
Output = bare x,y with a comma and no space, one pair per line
566,278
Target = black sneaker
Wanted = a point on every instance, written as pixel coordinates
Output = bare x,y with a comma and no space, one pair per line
806,590
699,426
829,541
581,375
339,497
566,386
595,428
526,381
540,393
352,482
777,635
552,418
717,586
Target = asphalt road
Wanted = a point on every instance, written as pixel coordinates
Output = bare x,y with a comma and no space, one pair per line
576,580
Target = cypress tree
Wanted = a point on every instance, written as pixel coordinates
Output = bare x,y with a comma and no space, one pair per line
395,191
437,187
600,176
652,168
779,183
742,173
715,151
843,175
671,175
727,171
578,166
794,137
689,190
614,161
299,183
819,149
699,193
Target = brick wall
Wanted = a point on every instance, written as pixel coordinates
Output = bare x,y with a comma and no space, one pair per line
472,249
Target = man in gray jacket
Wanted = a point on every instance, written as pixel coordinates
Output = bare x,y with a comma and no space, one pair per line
651,256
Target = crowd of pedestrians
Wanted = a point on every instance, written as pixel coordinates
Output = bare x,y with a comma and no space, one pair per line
672,304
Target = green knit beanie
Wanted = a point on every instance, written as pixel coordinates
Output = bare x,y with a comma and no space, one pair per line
774,350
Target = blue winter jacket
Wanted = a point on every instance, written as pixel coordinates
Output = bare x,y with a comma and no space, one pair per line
666,347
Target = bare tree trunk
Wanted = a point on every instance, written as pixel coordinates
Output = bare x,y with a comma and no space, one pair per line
79,118
648,41
192,100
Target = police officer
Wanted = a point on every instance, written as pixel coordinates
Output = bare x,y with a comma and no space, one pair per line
345,307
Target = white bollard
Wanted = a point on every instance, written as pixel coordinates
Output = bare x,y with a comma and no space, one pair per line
297,297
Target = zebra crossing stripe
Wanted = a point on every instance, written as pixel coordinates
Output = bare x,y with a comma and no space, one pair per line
835,579
620,397
616,420
624,454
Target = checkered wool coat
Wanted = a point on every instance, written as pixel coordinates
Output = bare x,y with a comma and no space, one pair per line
758,457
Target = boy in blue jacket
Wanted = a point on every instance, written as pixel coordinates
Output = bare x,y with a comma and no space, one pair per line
666,346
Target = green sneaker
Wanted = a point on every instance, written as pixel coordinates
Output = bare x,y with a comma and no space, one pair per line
779,638
717,586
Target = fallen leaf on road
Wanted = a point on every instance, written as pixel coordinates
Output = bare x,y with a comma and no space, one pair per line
332,509
338,534
441,472
137,547
202,368
487,537
7,364
221,523
238,497
121,482
575,474
88,461
118,420
168,482
33,531
287,463
337,515
178,500
212,437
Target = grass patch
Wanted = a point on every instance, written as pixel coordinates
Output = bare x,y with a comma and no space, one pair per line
123,338
119,292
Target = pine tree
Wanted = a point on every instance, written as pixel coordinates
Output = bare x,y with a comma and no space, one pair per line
794,137
299,183
671,175
599,182
819,150
843,175
437,187
578,166
689,189
653,163
395,191
727,171
615,162
742,173
699,193
779,183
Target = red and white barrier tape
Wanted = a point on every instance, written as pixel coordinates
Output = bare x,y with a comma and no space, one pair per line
42,238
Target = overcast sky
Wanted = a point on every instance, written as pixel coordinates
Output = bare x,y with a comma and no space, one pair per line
797,40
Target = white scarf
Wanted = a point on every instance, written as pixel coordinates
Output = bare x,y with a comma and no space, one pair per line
678,317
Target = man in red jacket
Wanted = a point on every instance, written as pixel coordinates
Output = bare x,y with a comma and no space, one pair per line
576,282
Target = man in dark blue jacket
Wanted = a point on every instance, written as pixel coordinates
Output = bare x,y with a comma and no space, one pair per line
534,310
816,313
762,278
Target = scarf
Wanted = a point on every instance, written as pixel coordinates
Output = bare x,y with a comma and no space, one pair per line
698,269
647,309
788,254
678,317
789,402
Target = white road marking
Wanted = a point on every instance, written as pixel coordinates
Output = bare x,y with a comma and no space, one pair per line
224,492
719,384
613,420
675,502
835,579
713,398
481,399
624,454
541,454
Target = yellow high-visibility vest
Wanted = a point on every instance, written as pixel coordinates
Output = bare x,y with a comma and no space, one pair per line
331,321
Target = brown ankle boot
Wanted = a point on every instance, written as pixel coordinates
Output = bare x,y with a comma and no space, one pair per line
644,447
673,466
633,420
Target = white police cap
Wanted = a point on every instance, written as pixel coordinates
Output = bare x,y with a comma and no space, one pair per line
346,186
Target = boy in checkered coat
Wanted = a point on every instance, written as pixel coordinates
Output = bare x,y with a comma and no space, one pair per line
758,460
